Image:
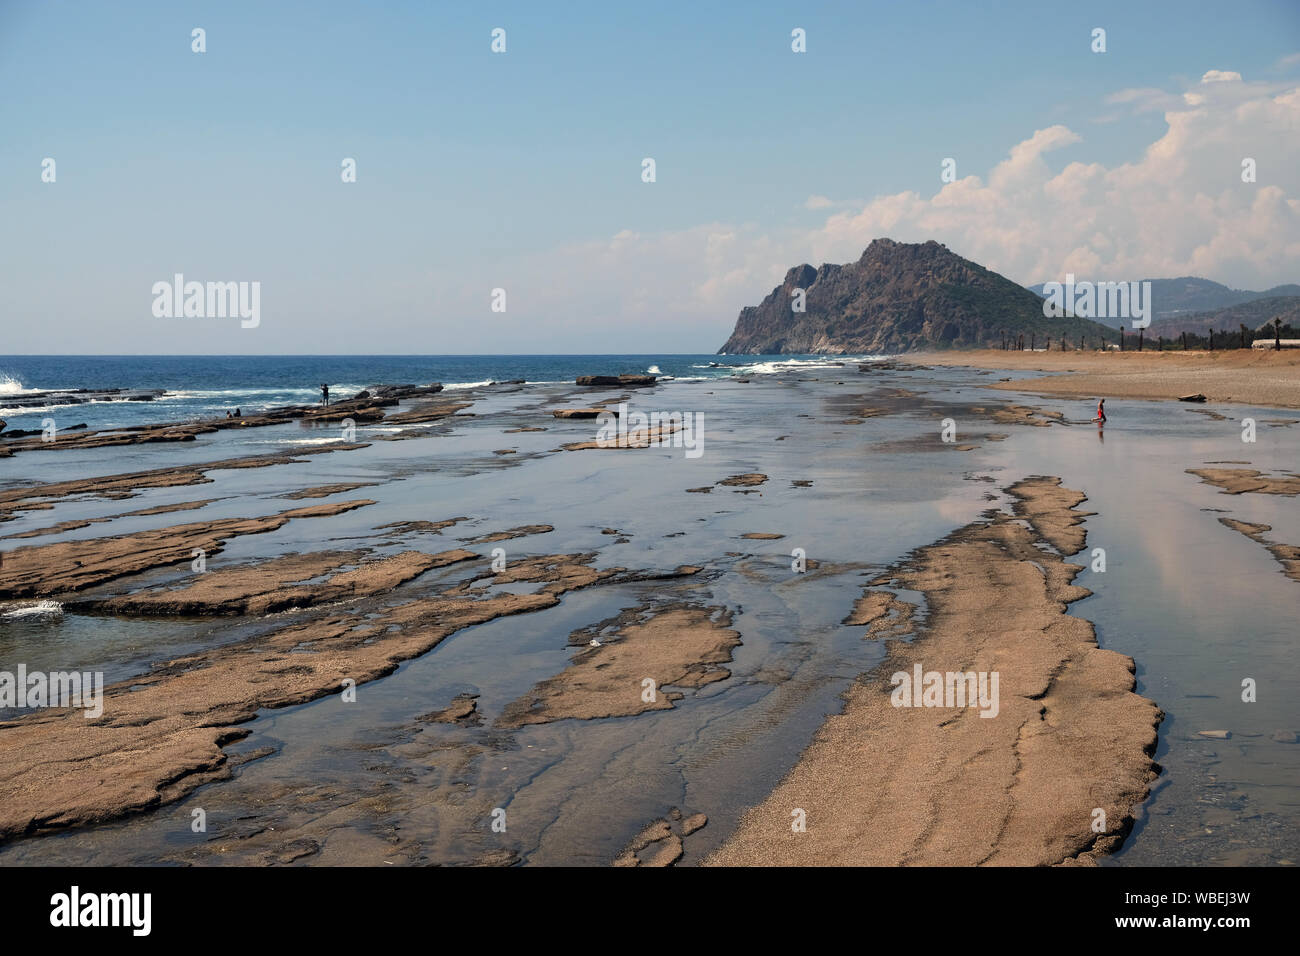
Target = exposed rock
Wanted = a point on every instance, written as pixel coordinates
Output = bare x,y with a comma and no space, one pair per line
1023,415
161,735
419,527
680,646
426,413
324,491
67,566
520,532
367,406
266,587
583,412
660,843
1052,511
1237,481
882,613
641,438
890,785
87,522
615,381
463,709
80,396
898,296
1287,555
35,497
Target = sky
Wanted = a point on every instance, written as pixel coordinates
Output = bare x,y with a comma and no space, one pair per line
522,170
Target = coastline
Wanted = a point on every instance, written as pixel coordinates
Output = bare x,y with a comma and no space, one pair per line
1239,376
690,589
1056,776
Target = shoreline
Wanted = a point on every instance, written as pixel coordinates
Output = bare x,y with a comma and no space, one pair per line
994,596
1238,376
1056,777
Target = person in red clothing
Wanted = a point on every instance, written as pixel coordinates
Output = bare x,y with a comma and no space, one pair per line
1101,410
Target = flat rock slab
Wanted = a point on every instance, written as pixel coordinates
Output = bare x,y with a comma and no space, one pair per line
889,785
615,381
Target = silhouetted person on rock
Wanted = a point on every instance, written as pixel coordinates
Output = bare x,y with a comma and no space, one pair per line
325,394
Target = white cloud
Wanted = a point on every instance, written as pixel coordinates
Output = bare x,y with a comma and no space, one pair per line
1145,99
1179,209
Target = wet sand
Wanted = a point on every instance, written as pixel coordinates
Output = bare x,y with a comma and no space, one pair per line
1069,743
539,704
626,672
161,736
1244,376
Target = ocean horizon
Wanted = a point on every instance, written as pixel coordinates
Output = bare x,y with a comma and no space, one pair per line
950,522
206,386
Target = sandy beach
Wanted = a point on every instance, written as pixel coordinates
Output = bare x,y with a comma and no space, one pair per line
1054,777
400,631
1240,376
590,438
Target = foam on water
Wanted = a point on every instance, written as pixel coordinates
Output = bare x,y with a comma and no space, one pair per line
39,609
787,365
293,441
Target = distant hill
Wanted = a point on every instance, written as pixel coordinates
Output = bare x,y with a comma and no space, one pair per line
1253,314
899,297
1171,298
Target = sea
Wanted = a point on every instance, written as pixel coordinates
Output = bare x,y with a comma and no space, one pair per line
1198,605
208,386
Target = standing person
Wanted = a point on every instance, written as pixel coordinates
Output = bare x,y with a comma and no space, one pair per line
1101,410
325,393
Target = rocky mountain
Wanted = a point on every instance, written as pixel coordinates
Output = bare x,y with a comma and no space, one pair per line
1188,295
899,297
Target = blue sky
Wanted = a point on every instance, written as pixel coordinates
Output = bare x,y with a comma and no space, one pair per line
516,170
